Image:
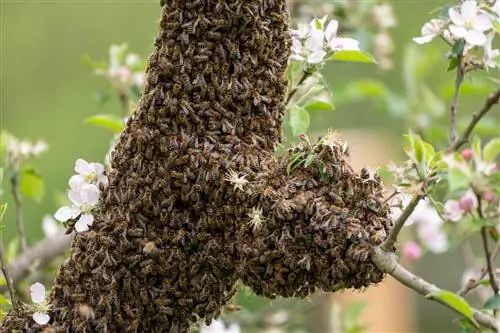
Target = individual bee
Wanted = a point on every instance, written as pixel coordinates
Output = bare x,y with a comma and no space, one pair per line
234,52
183,38
191,26
201,58
211,92
193,4
199,81
176,89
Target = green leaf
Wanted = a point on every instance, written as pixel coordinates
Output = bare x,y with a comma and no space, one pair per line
492,303
299,120
31,184
91,64
3,208
110,121
457,180
457,47
353,56
319,105
452,64
491,150
455,302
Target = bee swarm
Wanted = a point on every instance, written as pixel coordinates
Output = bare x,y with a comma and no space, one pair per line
174,235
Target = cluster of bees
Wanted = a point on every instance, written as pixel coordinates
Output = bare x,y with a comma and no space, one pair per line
174,235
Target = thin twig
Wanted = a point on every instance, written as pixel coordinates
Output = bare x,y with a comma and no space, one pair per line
487,254
8,279
389,242
454,102
492,100
387,262
305,75
19,212
476,283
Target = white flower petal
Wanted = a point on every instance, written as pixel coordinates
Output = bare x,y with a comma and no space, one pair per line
65,213
331,30
37,292
83,222
90,194
98,168
468,10
296,46
423,39
347,44
452,211
76,182
82,167
49,226
458,31
475,37
41,318
456,17
75,196
483,22
316,57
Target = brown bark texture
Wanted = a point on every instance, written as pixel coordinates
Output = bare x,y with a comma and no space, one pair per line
175,231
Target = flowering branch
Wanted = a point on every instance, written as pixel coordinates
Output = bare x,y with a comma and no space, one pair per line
387,262
19,213
388,244
487,254
305,75
493,99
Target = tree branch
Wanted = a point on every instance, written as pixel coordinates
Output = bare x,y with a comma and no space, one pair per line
386,262
39,254
492,100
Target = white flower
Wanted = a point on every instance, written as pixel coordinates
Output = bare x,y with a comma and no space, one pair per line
490,54
384,16
84,201
429,30
49,226
237,181
336,43
454,210
37,292
470,23
217,326
256,218
39,147
92,173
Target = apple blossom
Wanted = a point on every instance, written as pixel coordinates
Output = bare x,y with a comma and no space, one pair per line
429,31
470,23
91,173
455,210
84,201
491,56
489,196
336,43
37,293
49,226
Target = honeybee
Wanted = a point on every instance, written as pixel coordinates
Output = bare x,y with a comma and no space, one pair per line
201,58
193,3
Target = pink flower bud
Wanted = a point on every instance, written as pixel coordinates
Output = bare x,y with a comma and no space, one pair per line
412,251
489,196
466,203
467,154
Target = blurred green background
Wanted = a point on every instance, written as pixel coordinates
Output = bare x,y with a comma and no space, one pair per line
47,93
